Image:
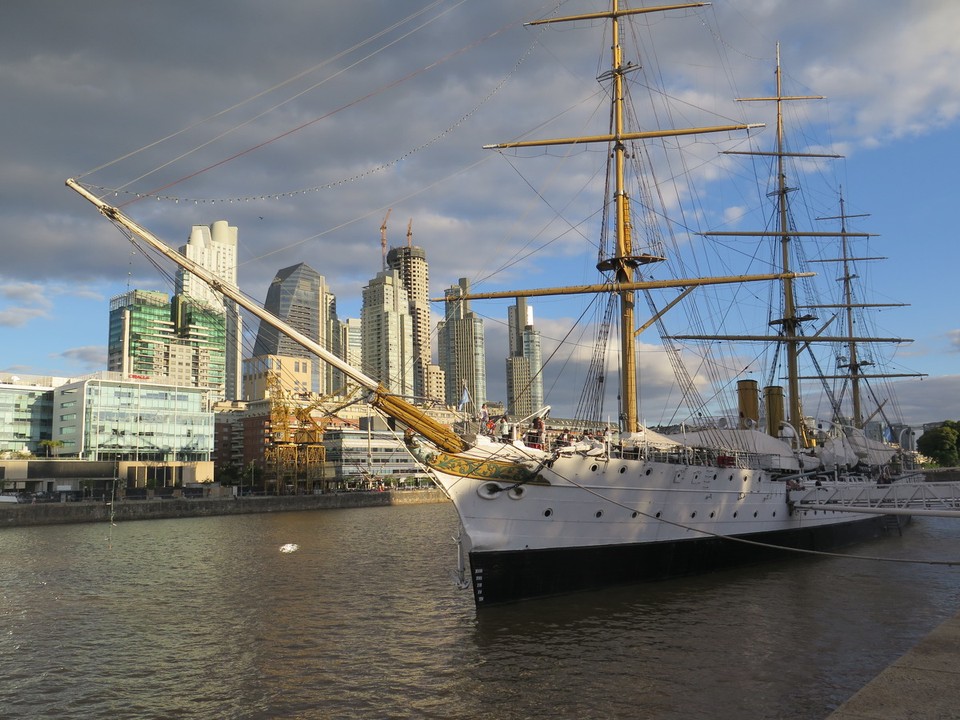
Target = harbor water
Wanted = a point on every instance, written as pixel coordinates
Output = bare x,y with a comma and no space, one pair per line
209,618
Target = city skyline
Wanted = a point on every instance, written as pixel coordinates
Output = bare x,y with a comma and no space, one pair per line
292,150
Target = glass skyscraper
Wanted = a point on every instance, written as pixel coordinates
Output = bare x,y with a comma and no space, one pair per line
299,296
152,337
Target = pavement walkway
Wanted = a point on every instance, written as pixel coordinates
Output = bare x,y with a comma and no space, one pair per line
924,684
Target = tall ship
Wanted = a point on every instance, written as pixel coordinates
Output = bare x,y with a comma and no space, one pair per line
635,504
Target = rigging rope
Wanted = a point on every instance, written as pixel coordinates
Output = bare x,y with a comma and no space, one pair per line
160,195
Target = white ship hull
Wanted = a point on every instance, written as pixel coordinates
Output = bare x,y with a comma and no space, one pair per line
586,522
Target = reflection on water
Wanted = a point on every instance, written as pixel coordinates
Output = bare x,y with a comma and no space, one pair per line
208,618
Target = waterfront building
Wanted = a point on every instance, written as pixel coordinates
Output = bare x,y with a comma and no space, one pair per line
109,417
214,247
26,409
178,340
524,378
299,295
461,351
367,457
387,330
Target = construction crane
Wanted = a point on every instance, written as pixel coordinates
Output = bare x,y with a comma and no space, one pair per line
410,233
280,453
383,238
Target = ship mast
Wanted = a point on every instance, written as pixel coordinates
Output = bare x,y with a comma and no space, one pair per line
624,261
791,322
853,364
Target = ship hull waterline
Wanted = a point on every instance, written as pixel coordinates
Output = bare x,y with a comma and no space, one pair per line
586,522
504,577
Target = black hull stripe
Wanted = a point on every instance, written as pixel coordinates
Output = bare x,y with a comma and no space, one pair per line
510,576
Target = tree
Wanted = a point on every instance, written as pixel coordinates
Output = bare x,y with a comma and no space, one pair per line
942,444
50,444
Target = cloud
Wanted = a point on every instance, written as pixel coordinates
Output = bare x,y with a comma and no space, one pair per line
20,316
90,357
24,292
929,400
953,336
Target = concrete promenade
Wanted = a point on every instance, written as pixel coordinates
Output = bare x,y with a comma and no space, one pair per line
22,514
924,684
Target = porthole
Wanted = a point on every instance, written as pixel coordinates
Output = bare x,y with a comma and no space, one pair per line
516,493
599,513
731,477
693,514
734,513
633,514
548,512
623,470
658,515
712,514
714,476
774,513
744,478
593,468
754,513
649,470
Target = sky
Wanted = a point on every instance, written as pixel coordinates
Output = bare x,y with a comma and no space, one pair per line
303,123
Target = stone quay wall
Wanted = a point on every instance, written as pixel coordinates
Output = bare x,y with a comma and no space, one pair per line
23,514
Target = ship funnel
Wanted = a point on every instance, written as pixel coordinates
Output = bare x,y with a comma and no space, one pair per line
773,403
748,404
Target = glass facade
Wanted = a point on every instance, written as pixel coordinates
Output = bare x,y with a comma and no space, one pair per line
179,340
118,420
299,296
358,453
25,414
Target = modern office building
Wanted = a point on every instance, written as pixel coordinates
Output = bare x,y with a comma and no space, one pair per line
524,379
26,409
178,340
300,297
461,349
113,418
387,330
214,247
367,457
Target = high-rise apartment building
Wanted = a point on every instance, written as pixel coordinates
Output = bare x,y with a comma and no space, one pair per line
180,340
524,380
387,329
461,349
410,262
214,247
299,296
351,341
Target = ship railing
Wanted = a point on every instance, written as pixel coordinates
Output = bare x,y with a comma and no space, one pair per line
690,456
